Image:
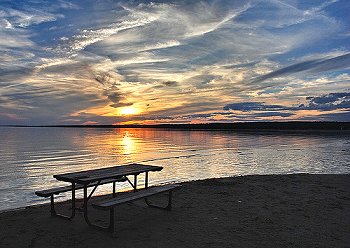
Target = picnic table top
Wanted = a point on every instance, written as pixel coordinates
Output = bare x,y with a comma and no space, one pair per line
88,176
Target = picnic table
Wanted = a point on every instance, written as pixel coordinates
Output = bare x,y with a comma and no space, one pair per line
96,177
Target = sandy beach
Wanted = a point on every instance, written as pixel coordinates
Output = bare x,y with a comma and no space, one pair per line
250,211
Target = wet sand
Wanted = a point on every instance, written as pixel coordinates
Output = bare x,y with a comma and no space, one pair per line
252,211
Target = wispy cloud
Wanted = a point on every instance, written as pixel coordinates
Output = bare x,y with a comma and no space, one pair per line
12,18
313,66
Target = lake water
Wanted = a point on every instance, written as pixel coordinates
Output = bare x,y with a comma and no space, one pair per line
30,156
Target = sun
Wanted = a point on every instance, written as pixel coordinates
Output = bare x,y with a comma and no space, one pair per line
128,111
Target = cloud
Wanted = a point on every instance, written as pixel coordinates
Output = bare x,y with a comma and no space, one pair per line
129,19
270,114
17,48
285,13
318,65
328,102
117,99
170,83
108,78
252,106
14,73
89,119
25,18
330,98
340,116
120,104
161,45
212,117
114,96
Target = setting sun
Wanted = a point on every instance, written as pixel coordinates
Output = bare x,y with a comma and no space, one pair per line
128,111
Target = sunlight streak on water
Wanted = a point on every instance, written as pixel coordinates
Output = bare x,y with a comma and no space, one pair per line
30,156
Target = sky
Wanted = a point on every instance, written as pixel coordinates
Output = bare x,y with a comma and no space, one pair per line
141,62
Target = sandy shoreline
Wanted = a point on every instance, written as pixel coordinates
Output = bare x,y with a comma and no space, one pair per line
252,211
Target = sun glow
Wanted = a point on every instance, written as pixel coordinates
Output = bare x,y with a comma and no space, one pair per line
128,111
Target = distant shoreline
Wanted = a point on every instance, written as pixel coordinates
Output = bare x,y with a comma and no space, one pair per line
238,126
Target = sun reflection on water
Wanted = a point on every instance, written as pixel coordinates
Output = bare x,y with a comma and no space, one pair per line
128,144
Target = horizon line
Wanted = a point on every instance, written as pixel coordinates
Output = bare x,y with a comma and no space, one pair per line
264,125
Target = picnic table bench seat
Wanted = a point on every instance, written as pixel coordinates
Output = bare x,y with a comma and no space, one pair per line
62,189
133,196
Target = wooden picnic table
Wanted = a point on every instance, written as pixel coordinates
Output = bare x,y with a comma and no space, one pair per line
95,176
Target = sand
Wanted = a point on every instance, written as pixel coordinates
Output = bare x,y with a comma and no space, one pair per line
251,211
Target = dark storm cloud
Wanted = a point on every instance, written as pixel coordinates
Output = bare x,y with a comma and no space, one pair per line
317,65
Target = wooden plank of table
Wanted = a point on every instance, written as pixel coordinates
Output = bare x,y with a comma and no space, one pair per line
119,171
84,177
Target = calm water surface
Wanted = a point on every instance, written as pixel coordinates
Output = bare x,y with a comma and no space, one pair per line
30,156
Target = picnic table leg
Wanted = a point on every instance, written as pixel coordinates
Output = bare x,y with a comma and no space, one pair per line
146,179
114,189
110,227
85,205
135,183
167,207
73,200
170,196
53,211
